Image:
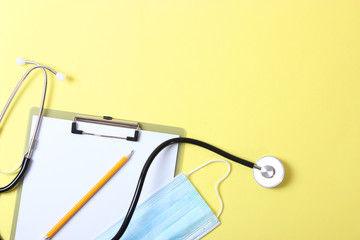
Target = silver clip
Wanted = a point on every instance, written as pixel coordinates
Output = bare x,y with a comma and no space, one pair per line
109,121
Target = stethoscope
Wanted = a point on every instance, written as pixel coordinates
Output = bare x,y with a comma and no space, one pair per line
25,162
268,171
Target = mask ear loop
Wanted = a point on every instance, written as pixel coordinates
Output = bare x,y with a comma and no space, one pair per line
217,185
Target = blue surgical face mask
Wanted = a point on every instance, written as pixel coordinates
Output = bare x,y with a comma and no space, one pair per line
176,211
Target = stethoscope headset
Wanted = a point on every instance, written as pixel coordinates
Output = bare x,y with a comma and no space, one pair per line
268,171
25,162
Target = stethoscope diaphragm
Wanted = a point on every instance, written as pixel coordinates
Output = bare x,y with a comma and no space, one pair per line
269,172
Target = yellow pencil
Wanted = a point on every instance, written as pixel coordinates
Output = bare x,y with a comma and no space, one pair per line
87,197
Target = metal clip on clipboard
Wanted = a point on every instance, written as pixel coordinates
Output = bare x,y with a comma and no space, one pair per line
109,121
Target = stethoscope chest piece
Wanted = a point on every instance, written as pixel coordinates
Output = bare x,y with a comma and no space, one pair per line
269,172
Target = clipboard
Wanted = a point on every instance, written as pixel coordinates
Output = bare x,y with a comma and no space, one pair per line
106,120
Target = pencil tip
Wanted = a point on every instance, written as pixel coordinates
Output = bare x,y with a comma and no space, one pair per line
130,154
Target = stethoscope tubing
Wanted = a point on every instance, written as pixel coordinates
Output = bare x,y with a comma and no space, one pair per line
24,166
147,165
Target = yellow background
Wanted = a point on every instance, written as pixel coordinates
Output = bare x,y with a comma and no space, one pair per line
253,77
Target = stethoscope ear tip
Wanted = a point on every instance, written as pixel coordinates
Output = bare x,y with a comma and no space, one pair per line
60,76
269,172
20,61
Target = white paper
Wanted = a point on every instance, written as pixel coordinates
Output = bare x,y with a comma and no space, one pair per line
66,166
